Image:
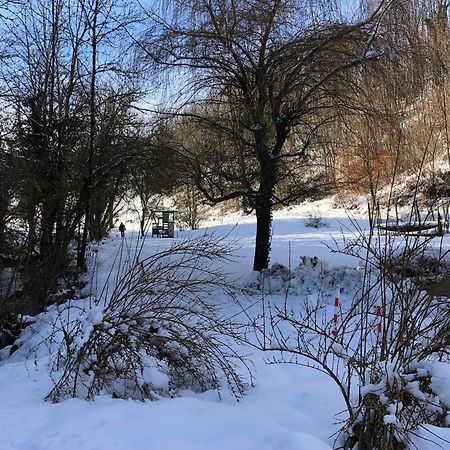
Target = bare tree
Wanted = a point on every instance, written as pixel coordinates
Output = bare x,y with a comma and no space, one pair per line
106,21
48,104
270,68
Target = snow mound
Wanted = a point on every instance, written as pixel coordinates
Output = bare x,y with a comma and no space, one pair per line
311,276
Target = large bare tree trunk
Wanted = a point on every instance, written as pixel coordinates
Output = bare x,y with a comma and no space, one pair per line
263,234
263,209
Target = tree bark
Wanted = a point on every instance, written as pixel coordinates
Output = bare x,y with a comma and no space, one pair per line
263,232
263,209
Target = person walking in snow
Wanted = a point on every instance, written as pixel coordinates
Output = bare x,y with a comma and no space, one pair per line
122,229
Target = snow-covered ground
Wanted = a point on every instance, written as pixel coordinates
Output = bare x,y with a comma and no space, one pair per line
291,407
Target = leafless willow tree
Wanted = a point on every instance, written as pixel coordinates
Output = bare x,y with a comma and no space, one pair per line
269,68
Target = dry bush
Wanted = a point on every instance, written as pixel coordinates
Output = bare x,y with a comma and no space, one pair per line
315,220
191,209
395,398
158,332
385,376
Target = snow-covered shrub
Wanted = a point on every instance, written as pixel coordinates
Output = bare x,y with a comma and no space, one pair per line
381,347
271,280
393,362
10,328
397,398
158,332
312,276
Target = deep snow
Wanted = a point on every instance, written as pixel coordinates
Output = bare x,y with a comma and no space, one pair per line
291,407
